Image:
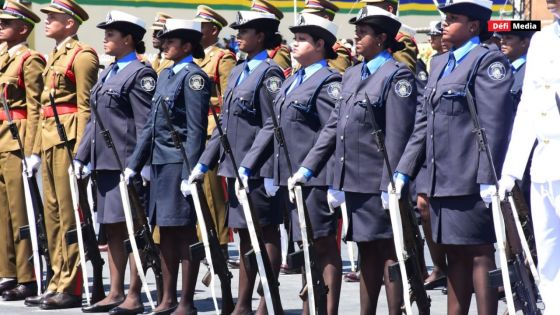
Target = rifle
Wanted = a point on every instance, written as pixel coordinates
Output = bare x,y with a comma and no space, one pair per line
317,291
84,233
35,231
210,245
258,254
409,244
515,279
143,237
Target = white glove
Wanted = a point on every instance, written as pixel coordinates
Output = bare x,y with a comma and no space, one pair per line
385,199
269,187
486,193
80,170
300,177
506,184
244,175
33,163
145,173
128,174
185,188
197,173
335,198
400,181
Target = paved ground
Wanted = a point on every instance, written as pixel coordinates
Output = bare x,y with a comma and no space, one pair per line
289,288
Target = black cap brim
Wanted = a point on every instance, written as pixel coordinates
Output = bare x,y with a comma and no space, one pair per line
126,27
191,35
265,24
468,9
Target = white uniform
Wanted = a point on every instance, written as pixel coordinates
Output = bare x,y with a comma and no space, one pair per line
538,118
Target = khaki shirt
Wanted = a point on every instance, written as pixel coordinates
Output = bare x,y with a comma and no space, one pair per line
24,85
343,60
85,67
281,55
218,73
409,54
160,63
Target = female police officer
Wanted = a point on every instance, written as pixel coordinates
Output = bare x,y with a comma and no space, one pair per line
185,90
251,86
303,106
382,89
459,178
122,97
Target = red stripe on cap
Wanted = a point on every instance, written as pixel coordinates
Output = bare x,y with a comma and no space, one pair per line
261,8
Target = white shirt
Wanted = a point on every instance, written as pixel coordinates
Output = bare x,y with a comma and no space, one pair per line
538,116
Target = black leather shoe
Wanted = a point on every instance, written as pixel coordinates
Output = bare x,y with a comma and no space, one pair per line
20,292
61,301
7,284
165,311
95,308
37,299
125,311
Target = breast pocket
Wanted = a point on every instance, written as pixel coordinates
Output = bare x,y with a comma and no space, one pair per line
115,98
365,103
453,102
302,111
243,105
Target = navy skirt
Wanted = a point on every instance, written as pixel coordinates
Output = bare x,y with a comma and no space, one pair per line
368,220
268,209
461,220
323,222
168,207
108,203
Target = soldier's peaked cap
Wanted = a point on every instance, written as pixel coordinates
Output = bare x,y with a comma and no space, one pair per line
320,6
207,14
14,10
69,7
159,21
266,7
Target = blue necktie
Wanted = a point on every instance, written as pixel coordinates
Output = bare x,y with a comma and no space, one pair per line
113,71
365,71
244,74
299,80
450,65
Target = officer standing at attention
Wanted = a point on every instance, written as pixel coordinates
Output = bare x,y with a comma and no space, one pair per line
326,9
20,84
537,119
515,45
303,107
252,85
280,53
409,54
159,63
217,63
458,176
69,75
122,96
382,88
185,90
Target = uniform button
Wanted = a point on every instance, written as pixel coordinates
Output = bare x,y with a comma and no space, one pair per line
346,116
92,141
341,138
227,110
278,117
432,161
432,112
277,155
225,129
431,136
341,159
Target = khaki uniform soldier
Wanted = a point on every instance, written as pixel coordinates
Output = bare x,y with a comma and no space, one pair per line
217,63
159,62
281,53
327,10
409,54
20,84
69,75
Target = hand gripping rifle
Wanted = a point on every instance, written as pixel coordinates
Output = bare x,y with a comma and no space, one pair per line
258,254
409,244
314,289
141,239
36,230
210,246
520,288
84,233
